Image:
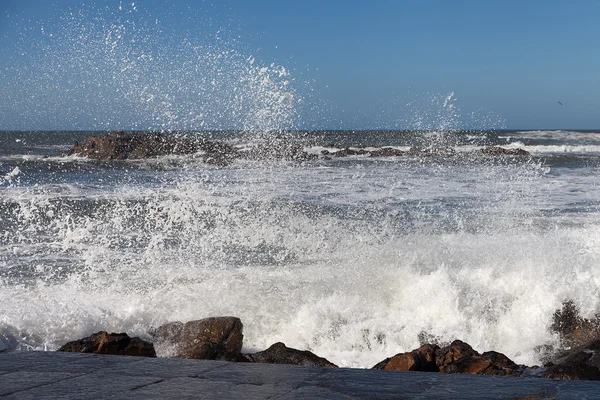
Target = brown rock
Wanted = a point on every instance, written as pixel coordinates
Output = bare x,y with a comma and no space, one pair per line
111,343
279,353
123,146
421,359
216,338
454,352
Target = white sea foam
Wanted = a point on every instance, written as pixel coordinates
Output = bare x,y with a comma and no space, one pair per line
351,262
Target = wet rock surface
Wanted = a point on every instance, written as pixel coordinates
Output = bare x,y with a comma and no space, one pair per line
59,375
458,357
128,146
111,343
279,353
215,338
221,338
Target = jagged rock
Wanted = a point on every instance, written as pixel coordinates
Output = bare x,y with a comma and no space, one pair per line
122,146
421,359
279,353
386,152
575,367
458,357
501,151
574,330
216,338
349,152
111,343
453,352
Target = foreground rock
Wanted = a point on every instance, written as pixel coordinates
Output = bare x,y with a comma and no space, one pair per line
279,353
581,364
220,338
216,338
111,343
458,357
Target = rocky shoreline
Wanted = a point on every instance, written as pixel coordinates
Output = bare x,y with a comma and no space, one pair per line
221,338
133,146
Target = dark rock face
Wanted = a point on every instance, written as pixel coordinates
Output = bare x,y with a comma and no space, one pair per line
574,330
124,146
216,338
111,343
500,151
575,367
386,152
279,353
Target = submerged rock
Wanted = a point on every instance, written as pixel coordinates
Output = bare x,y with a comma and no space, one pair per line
111,343
279,353
501,151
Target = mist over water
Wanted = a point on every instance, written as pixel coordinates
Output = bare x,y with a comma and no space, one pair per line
355,259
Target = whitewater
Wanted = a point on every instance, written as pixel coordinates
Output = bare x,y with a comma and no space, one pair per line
355,258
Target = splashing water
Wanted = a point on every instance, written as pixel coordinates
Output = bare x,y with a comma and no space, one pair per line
132,70
354,259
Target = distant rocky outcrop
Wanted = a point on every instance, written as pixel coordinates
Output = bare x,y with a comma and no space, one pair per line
436,152
128,146
111,343
501,151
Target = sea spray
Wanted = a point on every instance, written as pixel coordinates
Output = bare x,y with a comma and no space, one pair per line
355,259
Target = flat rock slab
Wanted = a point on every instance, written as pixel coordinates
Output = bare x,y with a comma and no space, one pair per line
55,375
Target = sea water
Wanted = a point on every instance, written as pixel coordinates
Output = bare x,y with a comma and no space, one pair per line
354,258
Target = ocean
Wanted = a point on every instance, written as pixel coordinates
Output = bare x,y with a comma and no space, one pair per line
355,258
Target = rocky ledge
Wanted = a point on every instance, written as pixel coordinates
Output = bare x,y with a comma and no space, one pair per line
129,146
221,338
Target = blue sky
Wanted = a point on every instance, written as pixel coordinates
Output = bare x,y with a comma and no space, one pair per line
355,64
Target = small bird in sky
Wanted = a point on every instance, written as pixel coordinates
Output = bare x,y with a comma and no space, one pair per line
560,103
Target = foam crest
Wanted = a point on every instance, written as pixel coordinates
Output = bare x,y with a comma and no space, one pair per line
353,284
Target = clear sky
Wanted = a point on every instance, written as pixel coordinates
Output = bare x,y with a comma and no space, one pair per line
354,64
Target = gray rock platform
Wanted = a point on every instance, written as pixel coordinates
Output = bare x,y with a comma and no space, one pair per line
53,375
